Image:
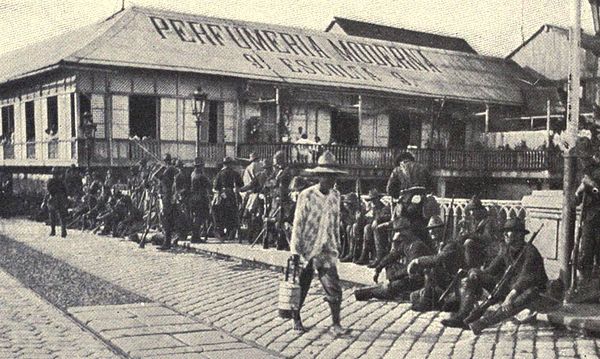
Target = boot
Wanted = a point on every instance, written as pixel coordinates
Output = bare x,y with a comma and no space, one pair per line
467,303
350,255
52,232
380,249
493,318
63,232
363,294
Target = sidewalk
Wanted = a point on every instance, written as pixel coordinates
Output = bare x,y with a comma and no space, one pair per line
348,272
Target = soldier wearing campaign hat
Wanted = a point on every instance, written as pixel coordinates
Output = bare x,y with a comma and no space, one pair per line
57,202
199,199
225,207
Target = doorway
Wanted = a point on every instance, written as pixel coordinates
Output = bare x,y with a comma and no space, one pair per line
344,128
143,116
457,135
399,128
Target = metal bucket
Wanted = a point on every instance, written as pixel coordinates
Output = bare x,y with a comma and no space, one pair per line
289,290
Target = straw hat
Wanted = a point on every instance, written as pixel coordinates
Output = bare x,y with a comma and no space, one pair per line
515,225
326,164
228,160
435,222
198,161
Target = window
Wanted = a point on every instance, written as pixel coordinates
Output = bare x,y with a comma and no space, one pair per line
8,121
143,116
213,121
85,105
29,121
73,121
52,115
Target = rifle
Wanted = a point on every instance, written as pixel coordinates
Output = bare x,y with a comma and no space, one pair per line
449,217
498,289
461,272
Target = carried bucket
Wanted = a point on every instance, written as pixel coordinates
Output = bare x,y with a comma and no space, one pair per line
289,290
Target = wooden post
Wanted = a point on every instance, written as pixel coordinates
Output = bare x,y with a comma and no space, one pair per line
570,163
277,115
548,115
487,118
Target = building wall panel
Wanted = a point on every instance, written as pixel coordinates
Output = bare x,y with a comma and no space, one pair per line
97,103
324,124
229,121
120,116
168,119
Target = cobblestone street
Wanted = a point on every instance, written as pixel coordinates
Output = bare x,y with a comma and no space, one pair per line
241,300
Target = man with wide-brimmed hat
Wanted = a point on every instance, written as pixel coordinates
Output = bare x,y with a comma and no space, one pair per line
476,232
252,169
316,237
199,199
225,207
520,290
57,202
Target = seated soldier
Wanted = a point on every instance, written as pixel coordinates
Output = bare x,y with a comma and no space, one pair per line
440,269
476,234
520,291
405,247
375,242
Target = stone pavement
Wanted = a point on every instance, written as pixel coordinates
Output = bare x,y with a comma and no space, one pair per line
30,327
145,330
242,301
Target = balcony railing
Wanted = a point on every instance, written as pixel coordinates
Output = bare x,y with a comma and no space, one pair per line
382,157
9,151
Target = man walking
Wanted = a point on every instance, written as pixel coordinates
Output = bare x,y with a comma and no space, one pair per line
200,199
316,238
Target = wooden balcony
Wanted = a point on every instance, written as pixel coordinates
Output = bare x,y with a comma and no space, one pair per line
358,160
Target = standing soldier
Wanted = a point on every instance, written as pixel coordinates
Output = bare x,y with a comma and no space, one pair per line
252,169
57,202
316,238
199,203
589,250
282,178
227,182
166,175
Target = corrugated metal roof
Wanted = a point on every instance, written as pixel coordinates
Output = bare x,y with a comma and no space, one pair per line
157,39
389,33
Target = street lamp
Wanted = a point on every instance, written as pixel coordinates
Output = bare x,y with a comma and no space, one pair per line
89,129
200,99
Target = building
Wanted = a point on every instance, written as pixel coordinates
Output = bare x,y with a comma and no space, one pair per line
341,25
366,99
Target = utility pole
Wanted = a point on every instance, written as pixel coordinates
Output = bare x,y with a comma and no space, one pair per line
570,158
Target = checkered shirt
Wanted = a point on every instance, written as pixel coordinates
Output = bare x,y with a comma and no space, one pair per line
316,228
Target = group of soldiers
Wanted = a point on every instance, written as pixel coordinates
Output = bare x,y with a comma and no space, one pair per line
423,262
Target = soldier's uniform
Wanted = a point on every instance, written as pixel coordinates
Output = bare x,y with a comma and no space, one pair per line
166,176
57,203
590,238
200,200
281,206
403,250
476,234
225,213
375,237
522,289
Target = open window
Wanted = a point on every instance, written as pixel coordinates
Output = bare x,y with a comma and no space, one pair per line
52,116
29,121
344,128
8,122
143,116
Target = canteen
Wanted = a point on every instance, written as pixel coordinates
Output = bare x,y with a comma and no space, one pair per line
289,290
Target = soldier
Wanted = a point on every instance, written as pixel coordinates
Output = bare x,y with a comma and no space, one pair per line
405,248
439,268
200,199
375,233
588,195
316,238
226,183
252,169
476,234
354,227
281,204
254,202
73,182
57,202
520,291
166,175
407,173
